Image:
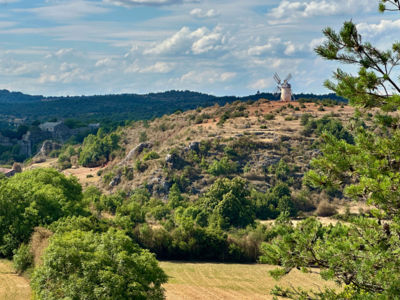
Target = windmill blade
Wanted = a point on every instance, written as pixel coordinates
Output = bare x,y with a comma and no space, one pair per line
277,78
277,91
288,77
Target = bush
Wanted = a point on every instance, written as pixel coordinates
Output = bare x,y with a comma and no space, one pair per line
325,209
222,167
269,117
23,258
150,156
96,149
140,166
87,265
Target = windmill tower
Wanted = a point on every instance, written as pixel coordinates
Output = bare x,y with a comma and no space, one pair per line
284,88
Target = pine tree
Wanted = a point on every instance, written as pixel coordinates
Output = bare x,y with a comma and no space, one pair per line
363,256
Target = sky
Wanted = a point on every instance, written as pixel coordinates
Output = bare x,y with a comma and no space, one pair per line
220,47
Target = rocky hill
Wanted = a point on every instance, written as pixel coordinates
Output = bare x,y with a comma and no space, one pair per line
193,148
264,142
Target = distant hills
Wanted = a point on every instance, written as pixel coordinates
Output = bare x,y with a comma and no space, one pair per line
118,107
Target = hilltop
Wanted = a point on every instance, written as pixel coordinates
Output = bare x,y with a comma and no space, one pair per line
116,107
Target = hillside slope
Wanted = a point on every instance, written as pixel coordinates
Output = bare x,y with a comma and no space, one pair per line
184,146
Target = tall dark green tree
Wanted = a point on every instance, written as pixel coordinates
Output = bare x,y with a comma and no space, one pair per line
363,256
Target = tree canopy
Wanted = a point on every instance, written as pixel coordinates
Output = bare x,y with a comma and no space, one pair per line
87,265
33,198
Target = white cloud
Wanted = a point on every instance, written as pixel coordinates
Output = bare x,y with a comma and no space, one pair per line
208,76
203,14
104,62
129,3
228,76
275,46
207,41
261,84
66,10
291,11
66,74
382,26
188,42
316,42
158,67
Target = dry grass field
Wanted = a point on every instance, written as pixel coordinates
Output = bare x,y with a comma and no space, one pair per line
195,281
12,286
230,281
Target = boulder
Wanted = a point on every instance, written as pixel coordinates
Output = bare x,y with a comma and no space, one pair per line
269,161
194,146
174,161
136,151
47,147
116,180
158,186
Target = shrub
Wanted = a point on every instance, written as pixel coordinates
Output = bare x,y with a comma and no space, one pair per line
269,117
223,118
222,167
325,209
23,258
150,156
140,166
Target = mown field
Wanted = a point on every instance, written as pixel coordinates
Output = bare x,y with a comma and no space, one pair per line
192,281
230,281
12,286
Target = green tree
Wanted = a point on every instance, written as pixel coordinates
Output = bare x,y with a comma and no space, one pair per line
87,265
96,149
35,198
228,201
364,255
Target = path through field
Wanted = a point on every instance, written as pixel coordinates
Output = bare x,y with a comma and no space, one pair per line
12,286
229,281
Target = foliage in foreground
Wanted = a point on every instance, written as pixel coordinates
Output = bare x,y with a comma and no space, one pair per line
34,198
86,265
364,256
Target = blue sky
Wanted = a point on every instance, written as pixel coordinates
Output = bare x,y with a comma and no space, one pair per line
222,47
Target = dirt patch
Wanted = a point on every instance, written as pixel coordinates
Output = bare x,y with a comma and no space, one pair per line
85,175
12,286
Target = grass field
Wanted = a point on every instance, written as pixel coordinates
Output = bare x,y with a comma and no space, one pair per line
12,286
229,281
192,281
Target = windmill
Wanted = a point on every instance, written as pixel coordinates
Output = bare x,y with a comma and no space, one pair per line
284,88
